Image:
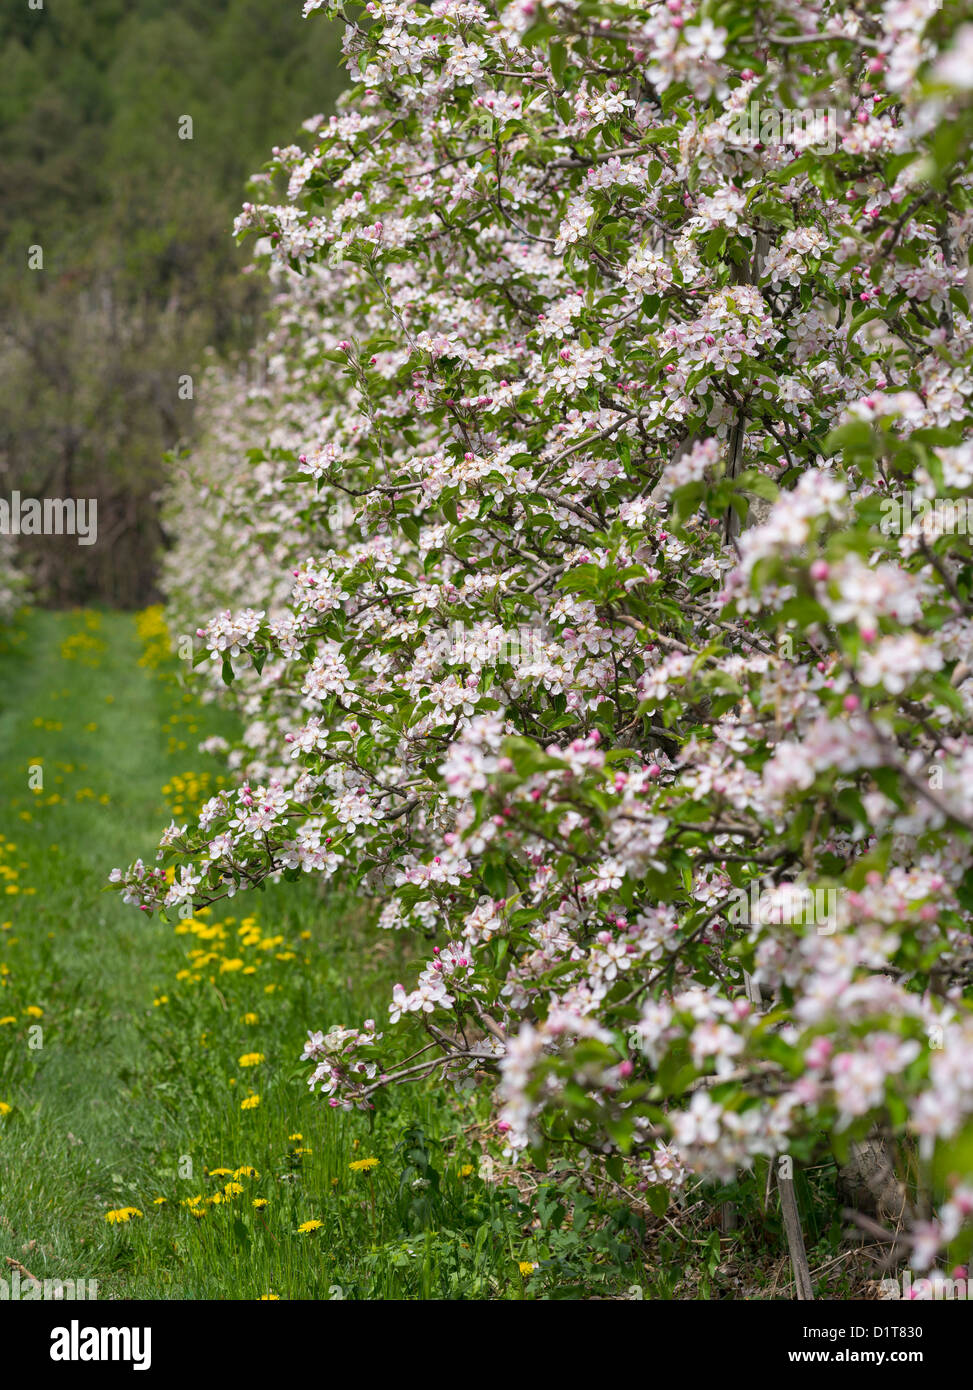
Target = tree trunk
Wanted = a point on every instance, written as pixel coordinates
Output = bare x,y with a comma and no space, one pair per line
869,1183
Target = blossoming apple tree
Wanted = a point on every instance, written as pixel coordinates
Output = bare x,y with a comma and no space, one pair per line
567,587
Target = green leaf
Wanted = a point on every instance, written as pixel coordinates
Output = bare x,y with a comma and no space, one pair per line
559,57
657,1197
750,480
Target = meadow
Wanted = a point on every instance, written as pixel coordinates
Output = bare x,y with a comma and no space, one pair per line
156,1133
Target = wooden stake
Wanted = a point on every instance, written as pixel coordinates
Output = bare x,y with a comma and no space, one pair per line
795,1238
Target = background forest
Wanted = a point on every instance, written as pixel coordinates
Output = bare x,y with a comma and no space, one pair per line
140,272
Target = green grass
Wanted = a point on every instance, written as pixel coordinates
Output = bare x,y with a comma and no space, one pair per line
127,1087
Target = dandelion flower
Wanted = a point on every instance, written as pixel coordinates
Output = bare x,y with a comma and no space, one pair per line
362,1165
307,1226
250,1103
122,1214
251,1059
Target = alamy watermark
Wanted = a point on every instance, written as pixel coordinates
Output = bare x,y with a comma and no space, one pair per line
52,516
790,904
945,516
937,1287
18,1289
814,128
487,645
77,1343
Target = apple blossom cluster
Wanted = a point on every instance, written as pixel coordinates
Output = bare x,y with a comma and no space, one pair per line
542,553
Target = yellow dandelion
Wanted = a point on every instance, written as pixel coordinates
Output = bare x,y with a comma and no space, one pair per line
296,1137
251,1059
250,1103
5,1109
363,1165
245,1172
526,1267
34,1011
270,1298
121,1215
307,1226
233,1189
259,1203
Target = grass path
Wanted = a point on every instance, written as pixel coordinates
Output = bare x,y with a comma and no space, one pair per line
77,704
151,1070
